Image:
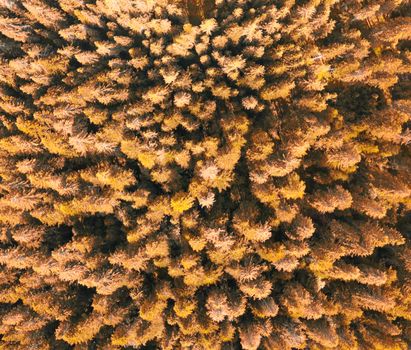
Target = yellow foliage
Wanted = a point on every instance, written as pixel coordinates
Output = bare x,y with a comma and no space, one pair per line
133,188
54,142
378,51
184,307
199,277
228,159
151,309
109,175
161,262
8,295
342,175
49,216
182,158
181,202
294,189
133,150
136,234
58,145
276,91
273,252
85,205
158,208
188,261
196,243
322,72
147,160
368,147
157,248
223,258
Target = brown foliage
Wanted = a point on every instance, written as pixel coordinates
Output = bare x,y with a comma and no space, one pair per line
205,174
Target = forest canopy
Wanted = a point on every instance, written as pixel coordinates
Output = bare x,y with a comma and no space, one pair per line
228,174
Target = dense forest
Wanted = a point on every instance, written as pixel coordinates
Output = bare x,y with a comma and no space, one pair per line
197,174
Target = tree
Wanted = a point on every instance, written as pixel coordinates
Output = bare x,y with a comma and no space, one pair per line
205,174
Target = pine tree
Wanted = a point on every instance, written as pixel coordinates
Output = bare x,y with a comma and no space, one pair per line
229,174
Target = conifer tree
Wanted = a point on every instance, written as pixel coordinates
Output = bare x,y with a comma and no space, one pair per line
228,174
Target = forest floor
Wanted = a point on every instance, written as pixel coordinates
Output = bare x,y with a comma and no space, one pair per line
197,10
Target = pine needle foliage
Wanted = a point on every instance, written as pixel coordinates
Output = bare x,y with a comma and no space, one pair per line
228,174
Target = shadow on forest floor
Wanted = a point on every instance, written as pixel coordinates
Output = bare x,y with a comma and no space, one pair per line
197,10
